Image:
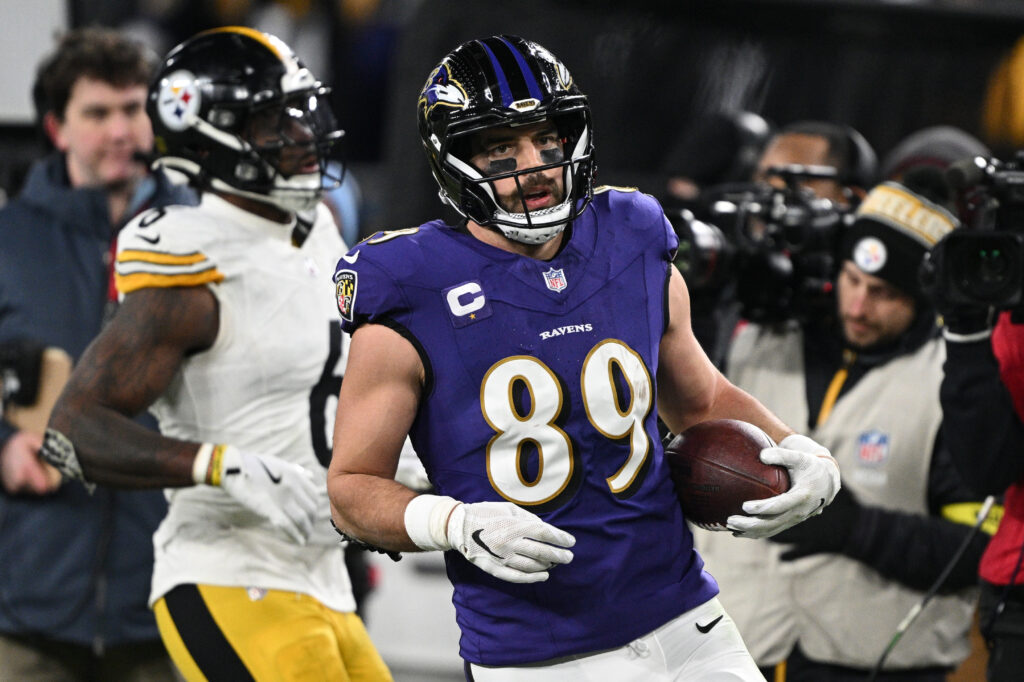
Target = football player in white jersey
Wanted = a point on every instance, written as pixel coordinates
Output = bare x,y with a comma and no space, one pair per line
228,333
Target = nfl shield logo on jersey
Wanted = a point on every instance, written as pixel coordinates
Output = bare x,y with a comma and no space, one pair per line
555,279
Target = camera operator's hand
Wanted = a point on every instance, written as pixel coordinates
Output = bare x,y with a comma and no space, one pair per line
827,532
965,324
22,471
961,322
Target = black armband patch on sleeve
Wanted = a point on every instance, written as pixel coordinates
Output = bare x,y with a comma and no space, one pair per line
59,452
356,542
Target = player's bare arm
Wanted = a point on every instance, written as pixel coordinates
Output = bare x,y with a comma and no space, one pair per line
690,387
121,373
692,390
376,408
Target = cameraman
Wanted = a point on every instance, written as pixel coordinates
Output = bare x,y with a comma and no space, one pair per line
827,597
983,407
817,159
821,143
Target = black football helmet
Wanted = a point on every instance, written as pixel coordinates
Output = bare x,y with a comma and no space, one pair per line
214,91
505,81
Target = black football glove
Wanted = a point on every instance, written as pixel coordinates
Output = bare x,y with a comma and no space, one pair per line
826,533
966,322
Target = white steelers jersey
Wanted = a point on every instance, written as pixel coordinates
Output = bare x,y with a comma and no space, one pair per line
268,385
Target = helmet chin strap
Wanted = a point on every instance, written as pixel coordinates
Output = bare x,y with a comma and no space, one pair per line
534,235
290,199
299,192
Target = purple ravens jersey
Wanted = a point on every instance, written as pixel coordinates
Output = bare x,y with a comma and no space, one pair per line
540,385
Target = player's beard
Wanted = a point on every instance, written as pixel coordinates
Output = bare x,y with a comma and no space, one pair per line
514,202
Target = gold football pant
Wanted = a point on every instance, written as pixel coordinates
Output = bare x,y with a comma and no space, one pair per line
233,633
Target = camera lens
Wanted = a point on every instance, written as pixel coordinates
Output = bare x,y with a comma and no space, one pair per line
705,255
987,270
992,266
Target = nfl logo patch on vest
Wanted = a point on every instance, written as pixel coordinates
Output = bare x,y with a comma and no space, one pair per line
873,448
555,279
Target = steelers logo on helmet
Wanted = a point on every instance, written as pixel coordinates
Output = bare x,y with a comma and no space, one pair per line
870,254
235,110
179,101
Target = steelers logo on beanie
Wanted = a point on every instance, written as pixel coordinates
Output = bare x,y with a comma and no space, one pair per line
892,230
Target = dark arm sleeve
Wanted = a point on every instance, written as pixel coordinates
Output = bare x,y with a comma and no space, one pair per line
981,429
6,335
913,549
6,431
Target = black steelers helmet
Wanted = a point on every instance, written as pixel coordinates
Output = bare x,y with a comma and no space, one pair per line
207,97
505,81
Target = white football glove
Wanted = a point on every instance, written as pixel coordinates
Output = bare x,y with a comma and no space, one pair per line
500,538
814,482
282,492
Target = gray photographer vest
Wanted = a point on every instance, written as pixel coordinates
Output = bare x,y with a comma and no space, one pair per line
882,433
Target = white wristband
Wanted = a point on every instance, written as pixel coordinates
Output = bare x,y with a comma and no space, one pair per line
966,338
201,464
426,520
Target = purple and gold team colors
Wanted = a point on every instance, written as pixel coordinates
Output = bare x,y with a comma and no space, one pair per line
540,385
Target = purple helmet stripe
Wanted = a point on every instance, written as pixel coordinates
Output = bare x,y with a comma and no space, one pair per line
531,80
506,91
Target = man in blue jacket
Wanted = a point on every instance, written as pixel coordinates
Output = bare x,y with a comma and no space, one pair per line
76,566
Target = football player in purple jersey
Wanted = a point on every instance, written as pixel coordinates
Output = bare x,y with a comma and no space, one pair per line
528,352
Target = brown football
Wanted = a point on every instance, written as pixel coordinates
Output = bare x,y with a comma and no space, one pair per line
716,467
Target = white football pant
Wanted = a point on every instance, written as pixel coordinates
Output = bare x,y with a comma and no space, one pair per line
684,649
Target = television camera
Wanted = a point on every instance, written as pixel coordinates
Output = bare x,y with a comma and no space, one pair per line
982,265
776,246
20,366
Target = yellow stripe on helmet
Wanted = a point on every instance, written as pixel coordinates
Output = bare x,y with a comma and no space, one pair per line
268,41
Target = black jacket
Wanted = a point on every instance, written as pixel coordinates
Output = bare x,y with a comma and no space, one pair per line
73,567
